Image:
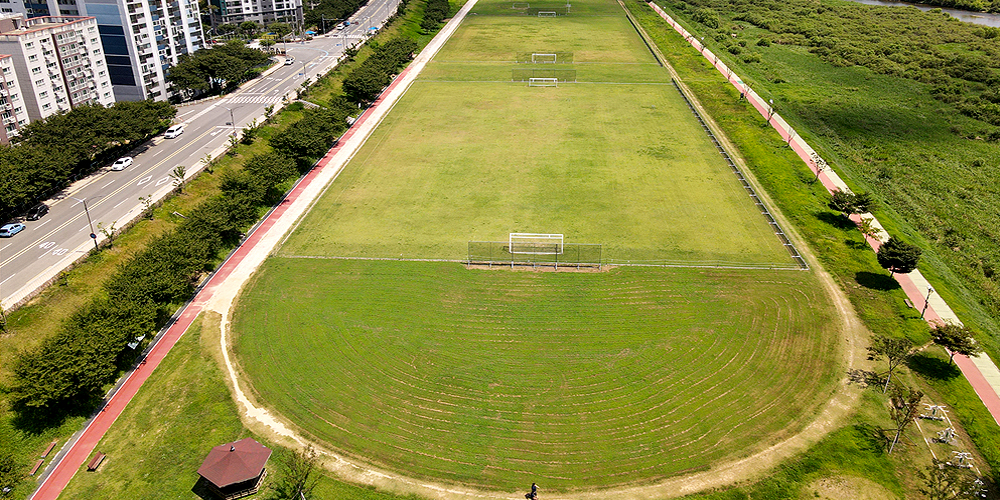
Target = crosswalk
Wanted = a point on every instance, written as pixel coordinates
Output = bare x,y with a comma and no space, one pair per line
253,99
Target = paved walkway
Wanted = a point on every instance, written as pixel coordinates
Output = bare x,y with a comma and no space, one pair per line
980,370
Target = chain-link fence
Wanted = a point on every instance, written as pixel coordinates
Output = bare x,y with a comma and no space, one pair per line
498,253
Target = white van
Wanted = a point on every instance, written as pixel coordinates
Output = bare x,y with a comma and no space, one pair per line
173,132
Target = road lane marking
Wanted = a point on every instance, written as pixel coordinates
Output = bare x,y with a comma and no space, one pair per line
108,184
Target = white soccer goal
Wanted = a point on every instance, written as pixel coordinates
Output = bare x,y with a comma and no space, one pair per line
535,243
543,82
546,13
520,6
544,58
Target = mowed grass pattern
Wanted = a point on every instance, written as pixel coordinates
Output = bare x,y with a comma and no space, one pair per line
466,155
574,380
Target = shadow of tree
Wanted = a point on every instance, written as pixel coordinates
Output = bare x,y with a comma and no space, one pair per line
836,220
871,438
876,281
933,367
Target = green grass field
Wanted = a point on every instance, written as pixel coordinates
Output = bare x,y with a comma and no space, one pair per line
498,378
495,378
468,155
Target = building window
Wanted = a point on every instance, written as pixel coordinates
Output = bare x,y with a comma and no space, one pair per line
43,94
36,70
29,45
32,57
46,106
107,94
39,83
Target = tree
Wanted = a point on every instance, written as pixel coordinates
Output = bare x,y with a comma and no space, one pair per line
897,256
249,28
177,174
364,83
850,203
869,229
108,232
895,351
957,339
903,408
942,482
297,479
147,205
216,68
11,472
279,29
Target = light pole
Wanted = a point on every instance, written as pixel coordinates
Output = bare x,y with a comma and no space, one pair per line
93,235
232,120
927,300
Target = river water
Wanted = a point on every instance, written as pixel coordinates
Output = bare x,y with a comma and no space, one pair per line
963,15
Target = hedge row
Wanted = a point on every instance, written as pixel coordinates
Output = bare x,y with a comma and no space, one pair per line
51,152
434,12
70,370
364,83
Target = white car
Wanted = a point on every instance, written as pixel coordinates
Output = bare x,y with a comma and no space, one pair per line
289,61
173,132
122,163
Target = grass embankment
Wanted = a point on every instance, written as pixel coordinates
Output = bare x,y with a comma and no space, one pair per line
836,243
42,316
494,378
156,446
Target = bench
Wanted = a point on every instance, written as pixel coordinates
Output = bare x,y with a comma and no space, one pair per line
908,303
49,449
38,465
95,462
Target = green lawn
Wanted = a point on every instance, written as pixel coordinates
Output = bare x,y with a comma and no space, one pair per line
497,378
156,446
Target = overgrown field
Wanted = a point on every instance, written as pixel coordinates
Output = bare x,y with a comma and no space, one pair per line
498,378
467,155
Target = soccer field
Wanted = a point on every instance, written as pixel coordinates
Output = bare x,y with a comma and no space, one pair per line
496,378
615,159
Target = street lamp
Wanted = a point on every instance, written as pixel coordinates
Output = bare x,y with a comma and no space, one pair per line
232,120
927,300
93,235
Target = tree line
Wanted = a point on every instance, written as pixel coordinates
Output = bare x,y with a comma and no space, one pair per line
365,82
50,153
218,68
69,370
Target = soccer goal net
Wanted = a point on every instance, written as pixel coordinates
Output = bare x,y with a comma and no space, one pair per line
535,243
520,6
543,82
551,57
546,13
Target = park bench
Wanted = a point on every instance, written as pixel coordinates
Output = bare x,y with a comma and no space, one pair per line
95,462
38,465
908,303
49,449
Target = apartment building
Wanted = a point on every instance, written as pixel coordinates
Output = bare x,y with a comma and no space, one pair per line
141,38
12,112
57,63
260,11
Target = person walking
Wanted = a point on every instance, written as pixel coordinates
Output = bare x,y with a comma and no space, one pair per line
534,491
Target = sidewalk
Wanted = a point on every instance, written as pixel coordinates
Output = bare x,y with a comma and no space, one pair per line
980,371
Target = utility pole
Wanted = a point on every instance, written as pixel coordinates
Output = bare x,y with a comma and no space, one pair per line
93,234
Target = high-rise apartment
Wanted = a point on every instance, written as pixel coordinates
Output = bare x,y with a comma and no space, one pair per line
57,63
141,38
260,11
12,112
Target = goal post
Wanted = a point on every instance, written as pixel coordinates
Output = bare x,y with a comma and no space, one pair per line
543,82
551,58
546,13
535,243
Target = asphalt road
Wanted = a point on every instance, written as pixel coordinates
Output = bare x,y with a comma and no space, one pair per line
46,247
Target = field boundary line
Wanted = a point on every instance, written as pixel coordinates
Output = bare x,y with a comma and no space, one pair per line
748,267
981,371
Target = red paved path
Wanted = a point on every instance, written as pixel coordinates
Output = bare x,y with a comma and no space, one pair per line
81,450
